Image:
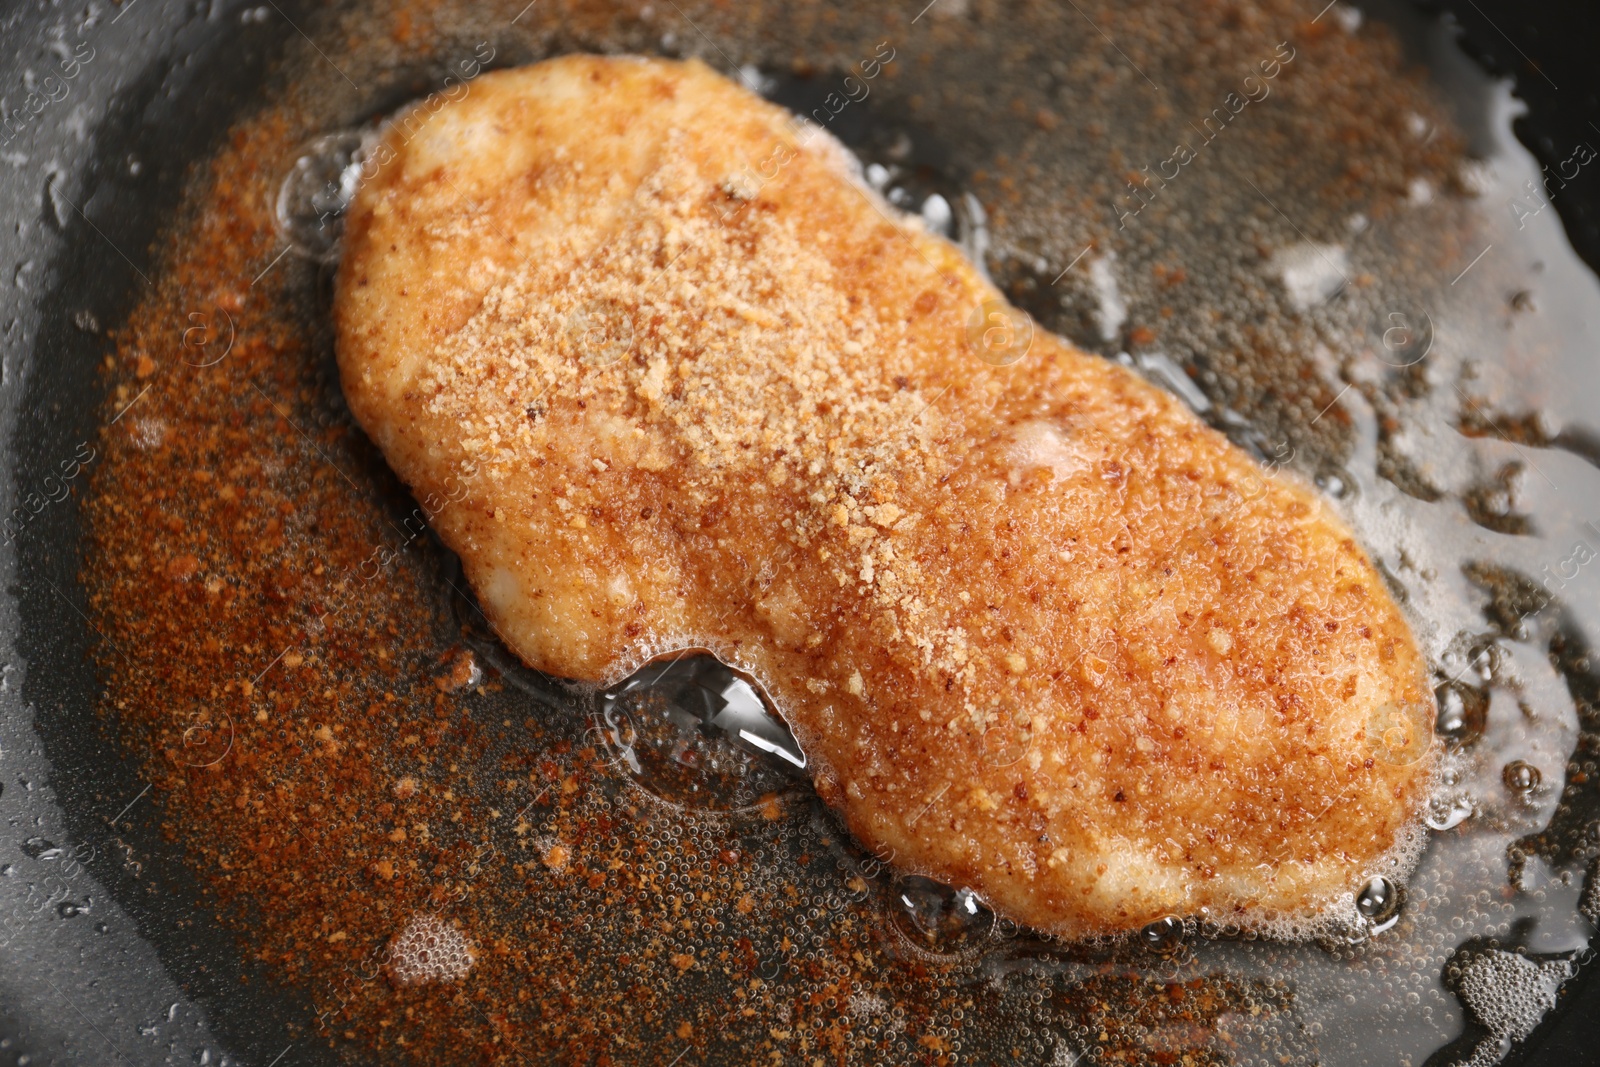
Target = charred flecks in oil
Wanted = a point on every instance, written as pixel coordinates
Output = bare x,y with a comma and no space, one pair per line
1515,602
1573,833
1523,611
1187,1014
1530,428
1492,502
1398,469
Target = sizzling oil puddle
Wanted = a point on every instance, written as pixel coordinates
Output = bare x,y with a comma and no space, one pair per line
641,874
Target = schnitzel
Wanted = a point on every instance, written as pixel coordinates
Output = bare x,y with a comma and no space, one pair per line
667,375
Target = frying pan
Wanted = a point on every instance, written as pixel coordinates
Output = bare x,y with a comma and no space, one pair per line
109,952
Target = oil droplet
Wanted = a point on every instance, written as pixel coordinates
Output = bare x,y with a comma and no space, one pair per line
697,735
937,917
1378,904
1164,935
1520,777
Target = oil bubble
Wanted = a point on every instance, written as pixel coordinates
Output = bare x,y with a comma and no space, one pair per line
937,917
430,950
1589,903
696,734
1463,712
1335,482
1378,904
1487,659
1165,935
1508,993
1520,777
313,196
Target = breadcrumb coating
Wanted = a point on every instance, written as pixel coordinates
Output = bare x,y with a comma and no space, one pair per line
665,375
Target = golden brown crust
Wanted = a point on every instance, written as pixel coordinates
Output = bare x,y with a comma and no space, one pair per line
671,378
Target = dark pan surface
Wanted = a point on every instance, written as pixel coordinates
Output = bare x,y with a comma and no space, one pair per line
121,922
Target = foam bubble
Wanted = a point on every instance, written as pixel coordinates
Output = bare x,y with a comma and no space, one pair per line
864,1006
1509,994
430,950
